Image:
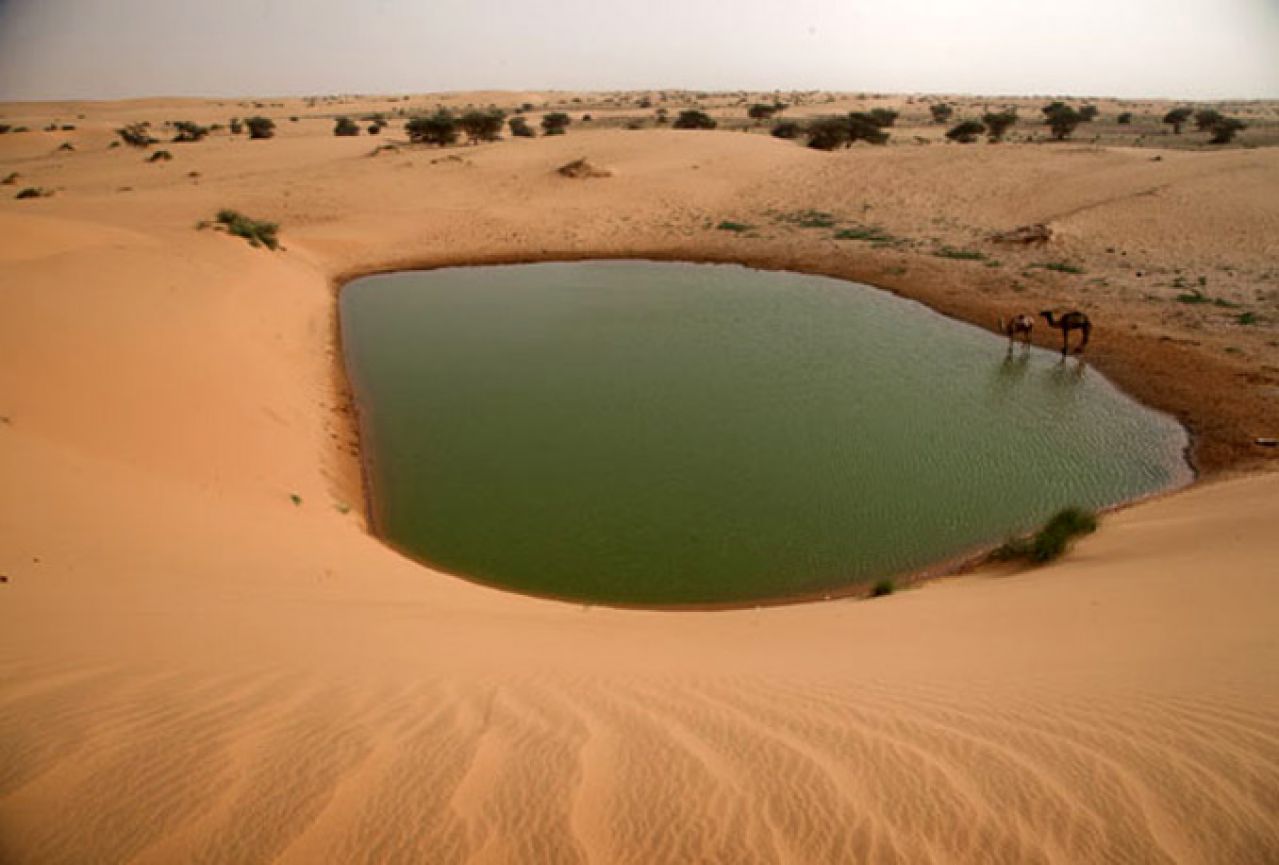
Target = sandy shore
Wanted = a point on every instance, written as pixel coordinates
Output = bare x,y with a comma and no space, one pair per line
195,668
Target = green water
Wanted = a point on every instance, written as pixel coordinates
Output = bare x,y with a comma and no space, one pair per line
650,433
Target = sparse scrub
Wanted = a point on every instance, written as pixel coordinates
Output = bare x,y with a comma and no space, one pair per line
965,132
869,233
482,125
759,112
438,128
941,112
188,131
1052,540
257,232
1247,318
260,127
135,135
998,123
555,123
694,119
787,129
520,129
809,219
345,127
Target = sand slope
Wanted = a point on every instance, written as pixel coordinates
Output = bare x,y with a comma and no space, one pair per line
194,668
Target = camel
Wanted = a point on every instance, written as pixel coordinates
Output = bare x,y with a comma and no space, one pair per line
1018,324
1073,320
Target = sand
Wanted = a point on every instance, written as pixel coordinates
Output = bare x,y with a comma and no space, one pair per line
193,667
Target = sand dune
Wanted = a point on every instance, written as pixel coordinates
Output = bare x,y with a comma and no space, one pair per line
194,668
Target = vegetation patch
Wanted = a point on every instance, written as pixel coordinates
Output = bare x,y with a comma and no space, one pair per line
882,588
1059,267
809,219
257,232
737,227
1051,541
870,233
34,192
960,254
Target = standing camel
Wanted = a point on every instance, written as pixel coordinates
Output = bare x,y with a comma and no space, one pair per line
1073,320
1018,324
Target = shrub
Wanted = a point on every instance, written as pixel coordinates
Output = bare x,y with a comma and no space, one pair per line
882,117
736,227
5,128
1052,540
1225,129
10,179
694,119
67,146
759,112
828,133
555,123
1088,113
998,123
1124,118
345,127
236,126
33,192
960,254
882,588
256,231
260,127
188,131
438,128
482,125
1061,119
160,156
787,129
135,135
965,132
1176,118
941,112
1206,118
520,128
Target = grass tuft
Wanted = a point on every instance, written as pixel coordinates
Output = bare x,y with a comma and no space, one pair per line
257,232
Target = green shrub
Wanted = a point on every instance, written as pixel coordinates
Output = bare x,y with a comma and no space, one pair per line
998,123
136,135
438,128
482,125
1052,540
1088,113
960,254
871,233
738,227
33,192
188,131
1247,318
1059,267
1177,117
787,129
256,231
694,119
1124,118
1206,118
260,127
941,112
1061,119
345,127
1224,130
882,117
555,123
882,588
520,128
809,219
965,132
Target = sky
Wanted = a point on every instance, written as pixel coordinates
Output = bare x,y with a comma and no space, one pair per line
1184,49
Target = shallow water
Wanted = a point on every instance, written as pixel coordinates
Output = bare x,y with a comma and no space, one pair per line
654,433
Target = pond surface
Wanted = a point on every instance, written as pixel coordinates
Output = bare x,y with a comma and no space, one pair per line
650,433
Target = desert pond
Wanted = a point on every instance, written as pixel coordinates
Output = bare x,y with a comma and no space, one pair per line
647,433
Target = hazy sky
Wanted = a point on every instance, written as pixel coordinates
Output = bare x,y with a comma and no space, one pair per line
108,48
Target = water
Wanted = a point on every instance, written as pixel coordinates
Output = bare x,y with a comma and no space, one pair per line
652,433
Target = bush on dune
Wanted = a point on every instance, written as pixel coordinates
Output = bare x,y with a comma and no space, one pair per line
1051,541
257,232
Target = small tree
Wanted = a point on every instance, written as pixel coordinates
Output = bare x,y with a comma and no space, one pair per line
1206,119
1061,119
482,125
1224,130
965,132
555,123
1088,113
260,127
694,119
135,135
438,128
882,117
787,129
941,112
188,131
1176,118
869,127
520,128
828,133
1124,118
236,126
759,112
345,127
998,123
